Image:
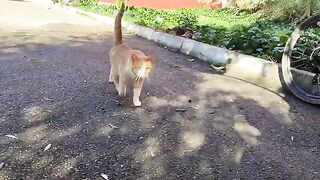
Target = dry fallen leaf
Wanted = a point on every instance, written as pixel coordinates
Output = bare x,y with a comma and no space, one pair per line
11,136
105,176
1,165
47,99
194,107
112,126
47,147
218,68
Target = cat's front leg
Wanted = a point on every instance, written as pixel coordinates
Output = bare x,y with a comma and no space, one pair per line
124,90
136,92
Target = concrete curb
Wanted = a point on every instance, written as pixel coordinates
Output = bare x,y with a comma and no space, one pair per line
248,68
255,70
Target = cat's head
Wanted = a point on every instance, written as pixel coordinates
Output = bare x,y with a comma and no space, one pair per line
142,66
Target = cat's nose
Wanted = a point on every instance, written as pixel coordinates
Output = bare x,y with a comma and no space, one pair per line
141,73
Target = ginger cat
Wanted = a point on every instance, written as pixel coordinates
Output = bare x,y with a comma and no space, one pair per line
128,64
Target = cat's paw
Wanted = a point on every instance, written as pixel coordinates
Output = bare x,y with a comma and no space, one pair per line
137,103
119,93
122,94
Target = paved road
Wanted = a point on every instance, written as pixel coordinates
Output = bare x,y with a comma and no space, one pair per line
53,91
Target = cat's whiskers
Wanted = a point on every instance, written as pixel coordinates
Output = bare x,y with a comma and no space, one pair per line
135,77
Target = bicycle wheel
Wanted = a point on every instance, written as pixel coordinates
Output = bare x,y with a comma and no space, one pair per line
301,61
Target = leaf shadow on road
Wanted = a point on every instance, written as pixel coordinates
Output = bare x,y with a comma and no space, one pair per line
194,123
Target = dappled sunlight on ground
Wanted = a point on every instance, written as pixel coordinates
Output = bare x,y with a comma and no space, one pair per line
193,140
151,157
105,130
64,133
64,168
248,132
36,113
33,135
202,118
265,99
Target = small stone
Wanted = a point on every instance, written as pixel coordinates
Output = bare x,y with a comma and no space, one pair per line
105,176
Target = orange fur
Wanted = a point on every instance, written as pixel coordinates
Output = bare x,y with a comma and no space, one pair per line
117,26
128,64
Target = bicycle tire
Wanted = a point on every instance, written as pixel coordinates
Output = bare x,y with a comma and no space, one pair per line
286,73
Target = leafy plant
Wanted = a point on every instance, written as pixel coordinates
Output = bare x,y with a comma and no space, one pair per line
289,10
228,28
88,2
186,18
250,4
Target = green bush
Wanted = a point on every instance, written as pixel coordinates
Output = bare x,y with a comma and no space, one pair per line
186,18
289,10
151,17
250,4
263,39
228,28
88,2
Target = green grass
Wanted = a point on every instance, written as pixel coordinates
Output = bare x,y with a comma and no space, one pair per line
216,22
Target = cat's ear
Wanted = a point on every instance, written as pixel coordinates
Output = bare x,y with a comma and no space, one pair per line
134,58
151,59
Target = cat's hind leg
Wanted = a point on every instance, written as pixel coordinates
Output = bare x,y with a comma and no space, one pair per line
122,87
111,80
115,78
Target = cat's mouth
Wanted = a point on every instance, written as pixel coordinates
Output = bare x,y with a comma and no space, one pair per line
136,77
139,75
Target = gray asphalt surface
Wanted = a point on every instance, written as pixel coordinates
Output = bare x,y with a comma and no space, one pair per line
60,119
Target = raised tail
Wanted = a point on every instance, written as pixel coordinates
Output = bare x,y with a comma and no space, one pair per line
117,25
